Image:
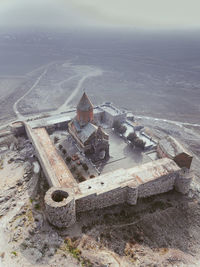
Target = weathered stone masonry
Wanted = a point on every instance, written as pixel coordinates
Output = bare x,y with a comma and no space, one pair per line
65,197
60,207
121,186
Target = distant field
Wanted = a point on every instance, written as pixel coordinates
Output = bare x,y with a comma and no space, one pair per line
154,76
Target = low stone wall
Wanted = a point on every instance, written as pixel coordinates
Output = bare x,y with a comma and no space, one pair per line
60,207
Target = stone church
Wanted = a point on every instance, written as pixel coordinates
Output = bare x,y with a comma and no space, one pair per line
91,138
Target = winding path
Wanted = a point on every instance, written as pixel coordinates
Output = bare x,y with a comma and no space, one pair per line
64,106
20,116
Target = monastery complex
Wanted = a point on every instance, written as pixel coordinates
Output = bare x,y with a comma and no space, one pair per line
87,127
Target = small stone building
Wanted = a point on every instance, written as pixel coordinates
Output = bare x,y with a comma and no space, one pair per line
171,148
92,139
111,114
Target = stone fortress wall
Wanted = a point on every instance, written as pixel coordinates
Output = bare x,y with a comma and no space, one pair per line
60,207
121,186
52,181
66,198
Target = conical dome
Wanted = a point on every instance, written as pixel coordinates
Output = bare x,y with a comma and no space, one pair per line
84,110
84,104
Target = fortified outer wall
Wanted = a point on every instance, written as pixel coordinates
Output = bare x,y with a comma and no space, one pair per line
60,207
115,196
121,186
132,194
128,185
101,200
53,165
51,178
182,183
65,198
171,148
161,185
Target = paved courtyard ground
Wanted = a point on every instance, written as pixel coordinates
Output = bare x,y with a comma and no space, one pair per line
122,155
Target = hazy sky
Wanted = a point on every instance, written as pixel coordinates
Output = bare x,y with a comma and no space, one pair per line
101,13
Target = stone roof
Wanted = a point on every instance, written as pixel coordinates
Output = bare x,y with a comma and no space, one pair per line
153,170
77,126
57,172
86,132
172,147
84,104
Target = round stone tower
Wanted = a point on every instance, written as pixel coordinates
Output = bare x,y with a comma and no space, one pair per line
84,110
60,207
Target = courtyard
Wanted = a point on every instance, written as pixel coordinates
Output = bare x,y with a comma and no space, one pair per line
122,155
